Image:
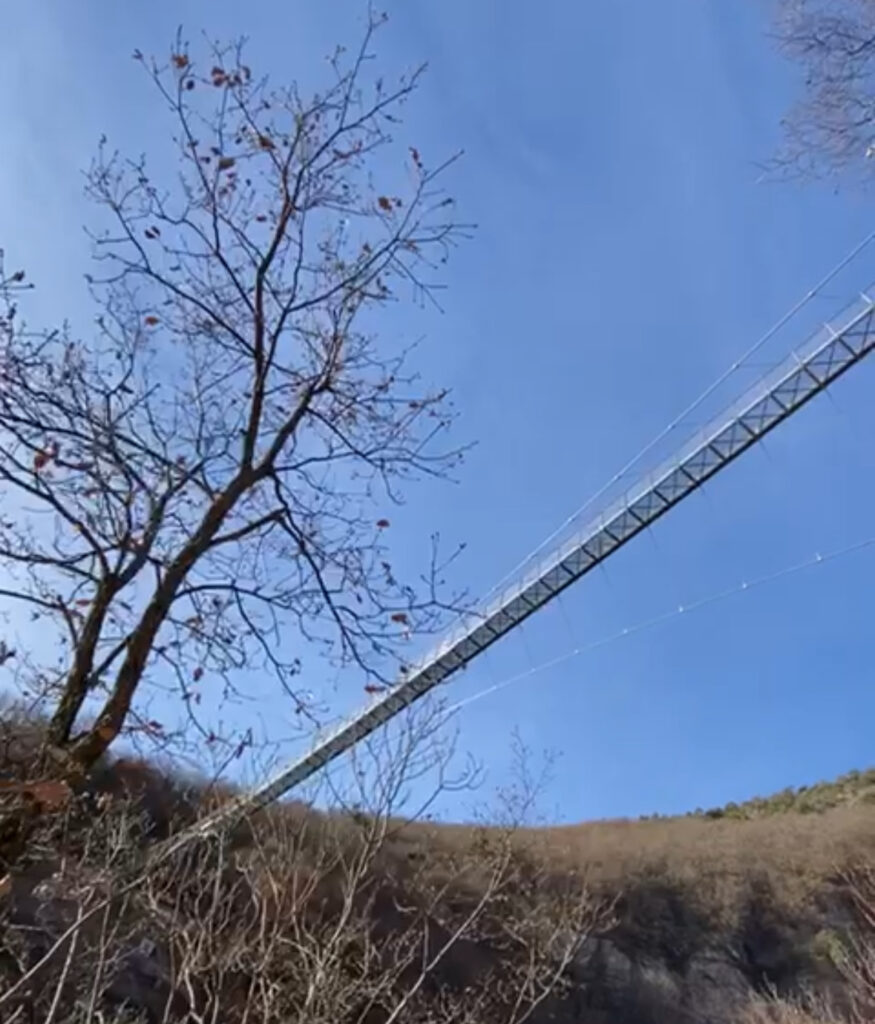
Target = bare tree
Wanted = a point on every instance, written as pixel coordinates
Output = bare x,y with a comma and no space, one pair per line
832,128
200,489
323,918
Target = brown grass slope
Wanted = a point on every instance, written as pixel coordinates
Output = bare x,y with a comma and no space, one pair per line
710,911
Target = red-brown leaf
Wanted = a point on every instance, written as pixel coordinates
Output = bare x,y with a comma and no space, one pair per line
400,617
51,794
384,203
151,321
382,524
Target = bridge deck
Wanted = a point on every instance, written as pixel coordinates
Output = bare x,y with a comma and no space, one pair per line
829,354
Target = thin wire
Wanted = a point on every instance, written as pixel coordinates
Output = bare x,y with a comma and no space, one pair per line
722,595
852,255
330,771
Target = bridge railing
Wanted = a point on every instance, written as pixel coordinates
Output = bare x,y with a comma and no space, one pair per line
536,569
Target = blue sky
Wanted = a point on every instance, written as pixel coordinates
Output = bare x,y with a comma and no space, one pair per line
626,254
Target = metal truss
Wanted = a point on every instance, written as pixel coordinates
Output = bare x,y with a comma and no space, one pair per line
828,355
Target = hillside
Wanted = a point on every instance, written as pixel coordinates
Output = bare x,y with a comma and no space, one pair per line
856,787
685,919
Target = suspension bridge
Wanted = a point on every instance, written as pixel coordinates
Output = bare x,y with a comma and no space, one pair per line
808,371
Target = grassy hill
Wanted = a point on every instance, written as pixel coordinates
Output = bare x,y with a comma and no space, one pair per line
855,787
696,918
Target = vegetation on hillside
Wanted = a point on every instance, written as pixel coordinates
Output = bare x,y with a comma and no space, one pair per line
618,921
853,787
338,916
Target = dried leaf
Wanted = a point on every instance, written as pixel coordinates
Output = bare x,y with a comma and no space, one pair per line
382,524
83,602
384,203
51,795
197,674
400,617
151,321
226,162
265,142
180,60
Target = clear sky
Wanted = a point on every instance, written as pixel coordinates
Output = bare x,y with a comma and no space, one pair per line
626,254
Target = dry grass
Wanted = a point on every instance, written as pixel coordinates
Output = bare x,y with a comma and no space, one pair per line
682,884
774,1011
317,918
717,859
